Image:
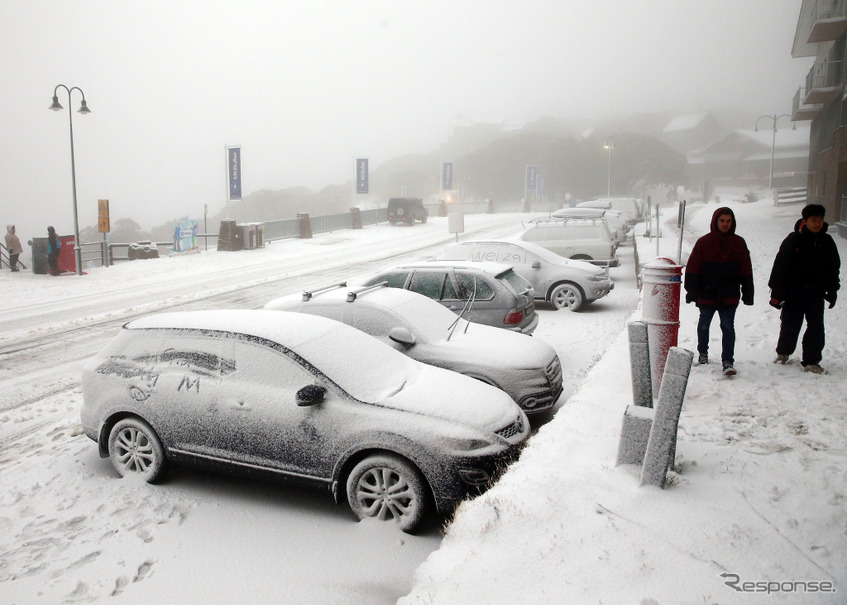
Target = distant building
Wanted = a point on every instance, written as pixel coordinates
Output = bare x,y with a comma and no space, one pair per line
688,132
821,32
743,157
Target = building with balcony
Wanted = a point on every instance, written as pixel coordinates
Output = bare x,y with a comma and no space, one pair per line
822,33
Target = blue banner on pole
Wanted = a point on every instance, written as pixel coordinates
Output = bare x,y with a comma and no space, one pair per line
531,177
234,171
540,184
447,176
362,175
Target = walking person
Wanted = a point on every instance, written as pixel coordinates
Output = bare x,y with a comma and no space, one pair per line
805,274
13,245
53,248
718,275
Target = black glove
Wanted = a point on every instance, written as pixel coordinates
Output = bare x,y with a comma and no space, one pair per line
776,304
747,300
830,298
690,298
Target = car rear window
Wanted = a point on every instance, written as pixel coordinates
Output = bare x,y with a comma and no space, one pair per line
518,283
469,282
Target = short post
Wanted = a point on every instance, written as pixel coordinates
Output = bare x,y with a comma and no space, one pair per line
639,363
305,225
356,218
661,446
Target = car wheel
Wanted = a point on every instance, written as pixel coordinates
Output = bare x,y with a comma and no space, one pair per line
387,488
135,450
423,220
584,257
567,296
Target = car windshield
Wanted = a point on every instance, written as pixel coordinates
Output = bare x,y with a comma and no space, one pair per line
431,320
374,373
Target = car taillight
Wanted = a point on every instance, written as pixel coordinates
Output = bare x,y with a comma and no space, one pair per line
513,317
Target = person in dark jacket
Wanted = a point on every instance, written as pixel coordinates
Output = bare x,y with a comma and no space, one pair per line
718,275
805,274
53,247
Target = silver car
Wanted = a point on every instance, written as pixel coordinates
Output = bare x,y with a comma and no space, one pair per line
564,283
580,239
301,397
528,369
486,293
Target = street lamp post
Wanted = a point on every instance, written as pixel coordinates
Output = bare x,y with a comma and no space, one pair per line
609,144
83,109
774,119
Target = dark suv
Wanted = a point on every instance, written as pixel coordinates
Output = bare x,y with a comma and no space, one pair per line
406,210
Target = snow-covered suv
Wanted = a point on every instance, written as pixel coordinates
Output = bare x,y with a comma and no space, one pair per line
579,239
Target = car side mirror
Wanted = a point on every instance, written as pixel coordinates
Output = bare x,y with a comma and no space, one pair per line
536,265
311,394
402,335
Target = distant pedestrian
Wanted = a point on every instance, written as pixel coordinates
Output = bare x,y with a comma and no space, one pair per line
13,245
53,248
805,274
718,275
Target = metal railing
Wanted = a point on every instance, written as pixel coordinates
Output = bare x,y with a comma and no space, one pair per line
829,9
824,75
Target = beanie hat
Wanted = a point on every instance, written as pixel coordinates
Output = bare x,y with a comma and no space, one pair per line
813,210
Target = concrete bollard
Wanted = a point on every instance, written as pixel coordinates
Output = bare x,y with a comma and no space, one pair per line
639,363
661,445
635,433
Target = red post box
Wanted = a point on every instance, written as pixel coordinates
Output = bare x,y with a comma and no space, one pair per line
661,284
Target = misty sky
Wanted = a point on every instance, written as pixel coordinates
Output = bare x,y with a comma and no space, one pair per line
306,87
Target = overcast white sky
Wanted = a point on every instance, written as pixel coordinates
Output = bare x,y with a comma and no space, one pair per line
305,87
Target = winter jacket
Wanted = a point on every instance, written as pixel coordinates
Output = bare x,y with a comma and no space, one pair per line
53,243
13,243
806,266
719,272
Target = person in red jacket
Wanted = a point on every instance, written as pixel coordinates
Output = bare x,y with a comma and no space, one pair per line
718,275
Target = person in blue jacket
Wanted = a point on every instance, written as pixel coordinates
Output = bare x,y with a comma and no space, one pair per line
53,248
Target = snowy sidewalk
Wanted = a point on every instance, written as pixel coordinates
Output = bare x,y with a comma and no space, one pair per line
758,503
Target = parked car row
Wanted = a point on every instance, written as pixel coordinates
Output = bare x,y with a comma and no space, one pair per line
408,393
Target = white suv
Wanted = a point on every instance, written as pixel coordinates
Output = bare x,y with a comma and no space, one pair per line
579,239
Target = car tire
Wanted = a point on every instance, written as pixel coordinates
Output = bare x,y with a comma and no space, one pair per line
423,220
387,488
584,257
136,451
567,296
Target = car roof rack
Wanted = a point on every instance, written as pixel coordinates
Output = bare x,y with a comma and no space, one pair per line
353,294
307,294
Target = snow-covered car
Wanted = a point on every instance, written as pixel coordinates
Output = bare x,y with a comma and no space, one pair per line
301,397
630,206
580,239
486,293
564,283
528,369
618,224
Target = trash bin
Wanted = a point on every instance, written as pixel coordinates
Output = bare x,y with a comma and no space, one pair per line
662,279
229,238
247,232
40,266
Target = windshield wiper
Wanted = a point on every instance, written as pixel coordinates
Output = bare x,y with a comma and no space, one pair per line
468,306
